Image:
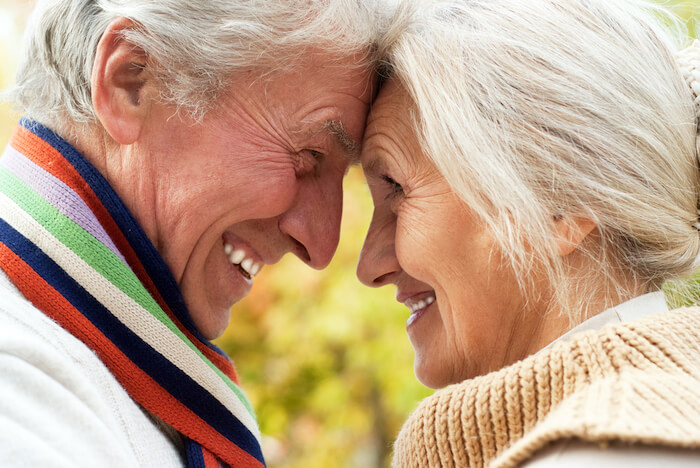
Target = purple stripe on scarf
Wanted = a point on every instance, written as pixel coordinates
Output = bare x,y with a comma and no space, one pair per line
57,193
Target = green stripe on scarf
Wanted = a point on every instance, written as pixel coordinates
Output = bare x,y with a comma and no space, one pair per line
101,259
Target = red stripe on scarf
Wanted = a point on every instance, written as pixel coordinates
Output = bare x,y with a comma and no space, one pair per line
135,381
210,461
51,160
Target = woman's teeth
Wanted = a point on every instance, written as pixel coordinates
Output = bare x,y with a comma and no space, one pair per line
417,308
421,304
247,265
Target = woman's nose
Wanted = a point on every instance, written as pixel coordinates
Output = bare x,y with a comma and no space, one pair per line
378,264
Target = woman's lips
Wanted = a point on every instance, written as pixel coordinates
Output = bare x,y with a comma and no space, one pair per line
417,304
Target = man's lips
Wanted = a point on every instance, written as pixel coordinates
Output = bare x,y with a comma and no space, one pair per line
242,256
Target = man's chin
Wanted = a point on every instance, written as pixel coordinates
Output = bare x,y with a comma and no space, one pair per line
212,322
215,332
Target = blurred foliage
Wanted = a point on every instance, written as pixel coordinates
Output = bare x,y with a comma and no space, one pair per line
324,360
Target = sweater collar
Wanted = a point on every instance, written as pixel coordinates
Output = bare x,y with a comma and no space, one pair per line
633,309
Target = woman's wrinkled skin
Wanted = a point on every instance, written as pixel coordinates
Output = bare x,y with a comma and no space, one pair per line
469,316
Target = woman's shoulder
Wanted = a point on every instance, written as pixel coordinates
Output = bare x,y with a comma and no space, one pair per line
579,454
632,387
622,383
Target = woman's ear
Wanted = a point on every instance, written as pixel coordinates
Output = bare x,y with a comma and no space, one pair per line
120,84
571,231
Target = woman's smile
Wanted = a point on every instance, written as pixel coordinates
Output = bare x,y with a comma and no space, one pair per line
418,304
464,302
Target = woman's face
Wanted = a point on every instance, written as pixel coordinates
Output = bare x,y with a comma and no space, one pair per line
467,313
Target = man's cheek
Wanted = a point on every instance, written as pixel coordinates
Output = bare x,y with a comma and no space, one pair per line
272,195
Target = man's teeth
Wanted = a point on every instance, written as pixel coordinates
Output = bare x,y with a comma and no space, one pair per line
422,304
250,267
238,258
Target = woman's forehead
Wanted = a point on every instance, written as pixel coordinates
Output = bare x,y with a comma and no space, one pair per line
390,127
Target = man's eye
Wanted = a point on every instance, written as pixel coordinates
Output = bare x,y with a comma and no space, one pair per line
395,188
314,154
307,161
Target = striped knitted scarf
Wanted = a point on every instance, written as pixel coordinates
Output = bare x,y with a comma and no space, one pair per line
71,246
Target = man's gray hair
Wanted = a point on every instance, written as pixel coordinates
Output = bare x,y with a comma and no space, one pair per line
194,48
538,109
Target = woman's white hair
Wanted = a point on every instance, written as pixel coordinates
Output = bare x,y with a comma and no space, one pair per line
194,48
543,110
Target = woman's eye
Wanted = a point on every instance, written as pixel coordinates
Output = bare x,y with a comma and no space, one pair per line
395,188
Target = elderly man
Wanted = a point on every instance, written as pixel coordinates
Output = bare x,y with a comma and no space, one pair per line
168,151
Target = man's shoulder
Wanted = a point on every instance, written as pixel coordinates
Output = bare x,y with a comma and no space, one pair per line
59,400
27,333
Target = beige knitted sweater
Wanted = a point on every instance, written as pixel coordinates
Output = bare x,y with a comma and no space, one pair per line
637,382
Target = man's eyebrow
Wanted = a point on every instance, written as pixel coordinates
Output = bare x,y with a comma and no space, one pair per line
350,146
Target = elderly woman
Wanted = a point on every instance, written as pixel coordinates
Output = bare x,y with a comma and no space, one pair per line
534,170
169,150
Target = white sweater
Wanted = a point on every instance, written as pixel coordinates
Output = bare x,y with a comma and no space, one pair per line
59,404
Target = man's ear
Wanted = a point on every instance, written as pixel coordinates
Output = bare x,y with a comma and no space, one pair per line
570,231
120,84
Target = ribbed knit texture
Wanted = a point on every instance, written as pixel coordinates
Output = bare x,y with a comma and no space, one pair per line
72,248
637,382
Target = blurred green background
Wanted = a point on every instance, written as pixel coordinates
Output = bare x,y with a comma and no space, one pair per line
324,360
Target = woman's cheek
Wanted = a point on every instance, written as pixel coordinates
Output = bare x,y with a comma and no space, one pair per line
414,248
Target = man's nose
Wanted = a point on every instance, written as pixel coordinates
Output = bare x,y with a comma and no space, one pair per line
313,221
378,264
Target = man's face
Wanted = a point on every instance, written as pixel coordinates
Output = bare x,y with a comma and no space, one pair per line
260,176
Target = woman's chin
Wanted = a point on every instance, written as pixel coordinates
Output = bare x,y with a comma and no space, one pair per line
436,373
431,374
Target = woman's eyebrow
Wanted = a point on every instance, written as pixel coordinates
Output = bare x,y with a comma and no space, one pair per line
373,165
